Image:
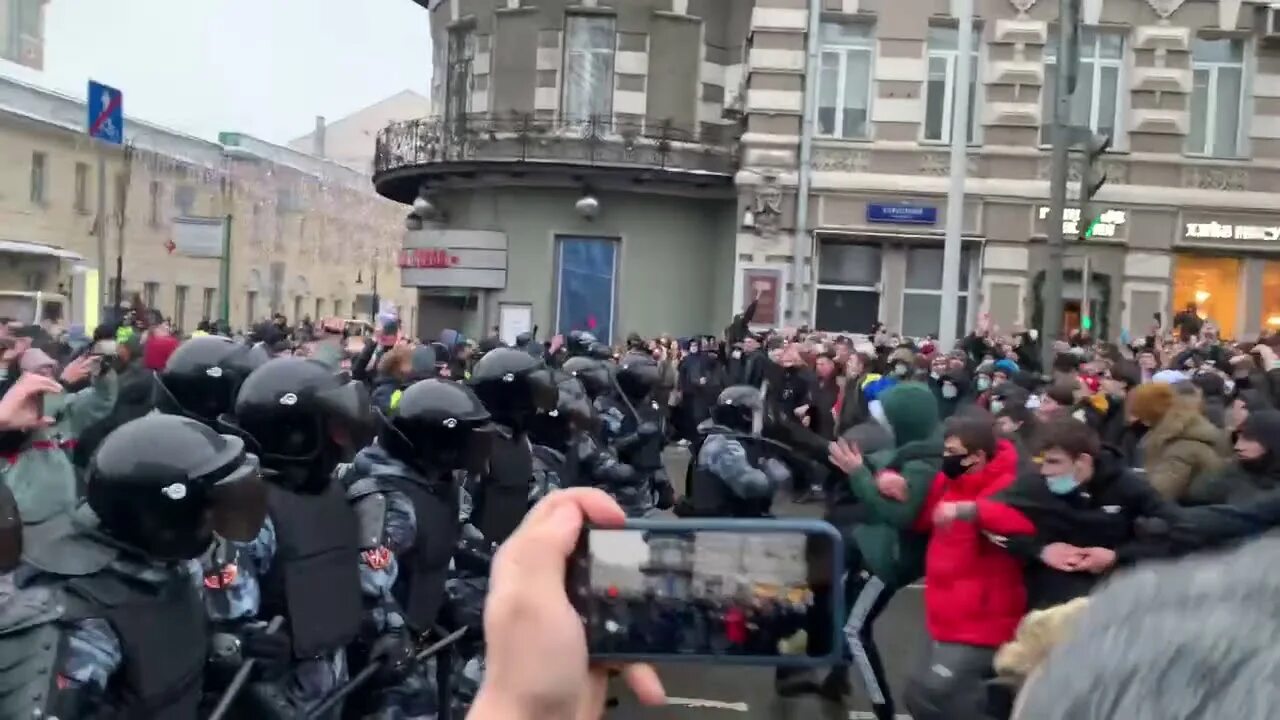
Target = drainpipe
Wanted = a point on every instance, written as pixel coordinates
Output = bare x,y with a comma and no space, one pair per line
802,242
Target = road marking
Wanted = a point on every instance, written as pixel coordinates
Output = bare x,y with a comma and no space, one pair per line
701,704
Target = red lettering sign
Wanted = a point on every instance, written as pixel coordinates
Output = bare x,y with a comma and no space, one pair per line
427,258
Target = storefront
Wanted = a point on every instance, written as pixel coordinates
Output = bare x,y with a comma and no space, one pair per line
885,265
1228,270
452,270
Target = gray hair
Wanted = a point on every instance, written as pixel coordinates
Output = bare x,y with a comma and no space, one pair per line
1189,640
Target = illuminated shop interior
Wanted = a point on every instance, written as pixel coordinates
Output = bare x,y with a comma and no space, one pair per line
1212,284
1271,297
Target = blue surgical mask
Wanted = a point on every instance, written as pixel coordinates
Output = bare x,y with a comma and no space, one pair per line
1061,484
996,406
949,391
900,369
984,382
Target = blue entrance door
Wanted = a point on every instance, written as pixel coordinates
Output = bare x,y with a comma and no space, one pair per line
586,275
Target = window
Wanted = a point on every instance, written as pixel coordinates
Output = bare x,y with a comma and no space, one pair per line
250,309
337,308
149,292
39,161
184,200
458,83
122,196
586,282
297,308
1211,285
922,291
180,306
844,80
1271,296
848,298
1094,104
319,309
1217,97
153,212
113,290
940,88
588,66
82,188
206,303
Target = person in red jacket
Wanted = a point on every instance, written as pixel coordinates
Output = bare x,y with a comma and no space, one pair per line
974,596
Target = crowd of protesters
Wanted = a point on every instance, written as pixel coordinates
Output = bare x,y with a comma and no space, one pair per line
1011,488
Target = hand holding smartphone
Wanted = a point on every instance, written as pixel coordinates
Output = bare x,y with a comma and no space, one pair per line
739,591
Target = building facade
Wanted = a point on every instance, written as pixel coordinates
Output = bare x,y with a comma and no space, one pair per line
350,141
22,32
1188,89
578,173
307,236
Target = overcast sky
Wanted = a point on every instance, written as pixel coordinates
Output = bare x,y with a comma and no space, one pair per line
263,67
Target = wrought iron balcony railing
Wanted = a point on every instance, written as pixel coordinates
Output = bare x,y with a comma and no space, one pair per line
598,140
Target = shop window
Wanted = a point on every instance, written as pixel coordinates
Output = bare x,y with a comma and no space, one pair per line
1094,102
848,298
586,282
922,292
844,80
1217,97
588,66
180,306
1210,285
206,303
1271,297
940,87
319,309
250,309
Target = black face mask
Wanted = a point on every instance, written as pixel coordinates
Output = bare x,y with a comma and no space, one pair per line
11,441
1256,465
953,465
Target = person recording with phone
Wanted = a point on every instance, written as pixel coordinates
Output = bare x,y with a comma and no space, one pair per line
36,460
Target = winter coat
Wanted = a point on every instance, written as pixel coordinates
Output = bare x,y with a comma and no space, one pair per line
1183,446
890,549
974,593
1239,482
1105,513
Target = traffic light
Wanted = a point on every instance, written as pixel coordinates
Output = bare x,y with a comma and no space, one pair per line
1086,323
1092,178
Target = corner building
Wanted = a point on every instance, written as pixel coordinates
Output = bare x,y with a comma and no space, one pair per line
1189,90
579,170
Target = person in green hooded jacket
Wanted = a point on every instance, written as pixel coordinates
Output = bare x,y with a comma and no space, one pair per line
887,554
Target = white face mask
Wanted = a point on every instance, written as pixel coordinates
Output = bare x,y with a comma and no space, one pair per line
935,374
996,406
984,383
1228,386
949,391
900,369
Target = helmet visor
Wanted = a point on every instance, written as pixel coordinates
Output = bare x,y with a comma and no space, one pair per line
202,398
543,390
238,501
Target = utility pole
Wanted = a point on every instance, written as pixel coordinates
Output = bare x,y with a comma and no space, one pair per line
100,229
122,201
959,172
1064,85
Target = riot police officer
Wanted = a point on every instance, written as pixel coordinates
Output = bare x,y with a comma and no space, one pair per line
301,420
595,375
633,424
405,490
514,386
108,619
732,475
203,375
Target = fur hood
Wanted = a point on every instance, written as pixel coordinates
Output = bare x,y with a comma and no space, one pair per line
1186,424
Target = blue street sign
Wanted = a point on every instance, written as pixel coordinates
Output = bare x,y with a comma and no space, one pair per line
902,213
106,113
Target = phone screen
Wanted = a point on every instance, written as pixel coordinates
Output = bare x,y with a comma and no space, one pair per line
734,591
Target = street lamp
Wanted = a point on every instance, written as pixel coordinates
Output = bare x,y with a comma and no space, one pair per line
373,300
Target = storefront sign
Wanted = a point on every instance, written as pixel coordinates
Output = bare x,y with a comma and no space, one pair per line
902,213
444,258
1219,231
764,287
1108,222
427,258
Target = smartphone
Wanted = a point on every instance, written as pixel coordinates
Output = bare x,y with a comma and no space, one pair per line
734,591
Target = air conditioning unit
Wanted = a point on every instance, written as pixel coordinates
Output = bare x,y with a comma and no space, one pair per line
1271,21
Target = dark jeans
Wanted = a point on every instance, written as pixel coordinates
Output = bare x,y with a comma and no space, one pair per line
949,683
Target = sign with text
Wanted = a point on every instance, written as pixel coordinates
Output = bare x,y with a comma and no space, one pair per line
904,213
427,258
1227,231
765,286
1109,221
434,258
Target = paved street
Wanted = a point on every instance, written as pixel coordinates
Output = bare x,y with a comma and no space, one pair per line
729,692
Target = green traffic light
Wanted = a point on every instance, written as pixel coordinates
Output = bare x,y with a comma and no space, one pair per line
1086,322
1092,225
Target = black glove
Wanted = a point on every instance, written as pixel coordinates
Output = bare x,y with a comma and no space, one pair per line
394,651
272,653
666,496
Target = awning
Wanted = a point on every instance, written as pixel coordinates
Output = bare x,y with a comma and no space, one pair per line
28,248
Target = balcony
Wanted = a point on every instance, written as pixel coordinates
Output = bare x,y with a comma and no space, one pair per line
407,154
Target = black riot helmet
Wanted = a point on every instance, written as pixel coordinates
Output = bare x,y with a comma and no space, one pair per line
637,375
573,413
164,484
514,386
301,419
737,407
595,375
203,375
438,425
578,343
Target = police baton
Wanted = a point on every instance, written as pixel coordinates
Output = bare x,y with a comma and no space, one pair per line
371,669
241,677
